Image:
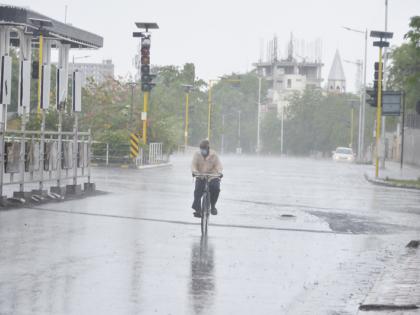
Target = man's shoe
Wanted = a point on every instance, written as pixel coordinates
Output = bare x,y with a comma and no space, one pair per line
197,214
213,211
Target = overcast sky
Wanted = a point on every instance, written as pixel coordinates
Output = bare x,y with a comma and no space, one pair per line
222,36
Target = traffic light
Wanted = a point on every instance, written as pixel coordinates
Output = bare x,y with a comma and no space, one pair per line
146,77
373,100
418,107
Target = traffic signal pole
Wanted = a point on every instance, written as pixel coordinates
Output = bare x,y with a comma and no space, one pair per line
145,108
383,36
146,77
378,115
40,61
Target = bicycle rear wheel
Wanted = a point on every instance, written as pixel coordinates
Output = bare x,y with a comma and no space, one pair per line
205,213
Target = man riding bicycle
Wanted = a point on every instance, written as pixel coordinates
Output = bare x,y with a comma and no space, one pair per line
206,161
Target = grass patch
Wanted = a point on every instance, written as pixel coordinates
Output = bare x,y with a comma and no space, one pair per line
404,182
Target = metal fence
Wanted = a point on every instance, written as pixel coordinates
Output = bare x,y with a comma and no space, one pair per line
38,157
412,120
111,154
412,146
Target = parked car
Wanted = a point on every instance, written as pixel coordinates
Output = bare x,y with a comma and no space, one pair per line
343,154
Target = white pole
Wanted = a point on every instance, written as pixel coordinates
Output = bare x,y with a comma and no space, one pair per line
361,91
75,147
60,145
385,77
362,138
41,153
107,154
259,117
239,128
282,130
89,154
222,150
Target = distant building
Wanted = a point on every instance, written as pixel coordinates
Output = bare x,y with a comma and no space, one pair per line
336,78
99,72
288,75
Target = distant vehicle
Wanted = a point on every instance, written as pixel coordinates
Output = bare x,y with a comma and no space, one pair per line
343,154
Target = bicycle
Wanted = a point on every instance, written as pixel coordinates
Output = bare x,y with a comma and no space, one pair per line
205,200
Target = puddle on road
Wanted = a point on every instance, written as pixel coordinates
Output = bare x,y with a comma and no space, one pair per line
344,222
287,217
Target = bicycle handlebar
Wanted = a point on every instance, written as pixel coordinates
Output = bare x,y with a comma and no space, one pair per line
215,175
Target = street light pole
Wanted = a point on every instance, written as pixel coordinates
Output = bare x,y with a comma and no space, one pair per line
362,108
187,88
239,129
187,96
385,76
282,131
81,57
132,86
209,112
352,126
259,116
222,146
210,104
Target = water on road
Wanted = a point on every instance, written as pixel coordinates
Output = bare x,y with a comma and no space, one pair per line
293,236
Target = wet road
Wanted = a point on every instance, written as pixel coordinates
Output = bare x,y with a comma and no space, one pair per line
293,236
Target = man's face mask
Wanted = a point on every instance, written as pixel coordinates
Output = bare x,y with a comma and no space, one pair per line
204,152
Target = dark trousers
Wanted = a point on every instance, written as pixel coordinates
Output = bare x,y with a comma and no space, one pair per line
214,187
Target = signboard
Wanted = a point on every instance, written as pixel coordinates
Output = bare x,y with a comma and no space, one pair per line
77,91
391,103
6,80
25,83
61,88
45,86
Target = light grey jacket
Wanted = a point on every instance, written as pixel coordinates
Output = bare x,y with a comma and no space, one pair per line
211,164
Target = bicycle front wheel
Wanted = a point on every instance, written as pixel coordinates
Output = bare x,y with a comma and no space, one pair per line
205,213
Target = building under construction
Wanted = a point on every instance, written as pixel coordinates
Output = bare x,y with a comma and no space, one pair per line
299,70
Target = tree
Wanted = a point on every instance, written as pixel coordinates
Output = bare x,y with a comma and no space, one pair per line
414,34
271,133
405,68
316,122
229,97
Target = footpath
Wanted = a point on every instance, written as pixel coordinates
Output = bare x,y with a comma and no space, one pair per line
397,291
394,176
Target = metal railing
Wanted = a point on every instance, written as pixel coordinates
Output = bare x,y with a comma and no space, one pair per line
412,120
38,157
107,153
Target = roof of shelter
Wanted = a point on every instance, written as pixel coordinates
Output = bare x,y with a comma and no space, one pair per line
24,18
